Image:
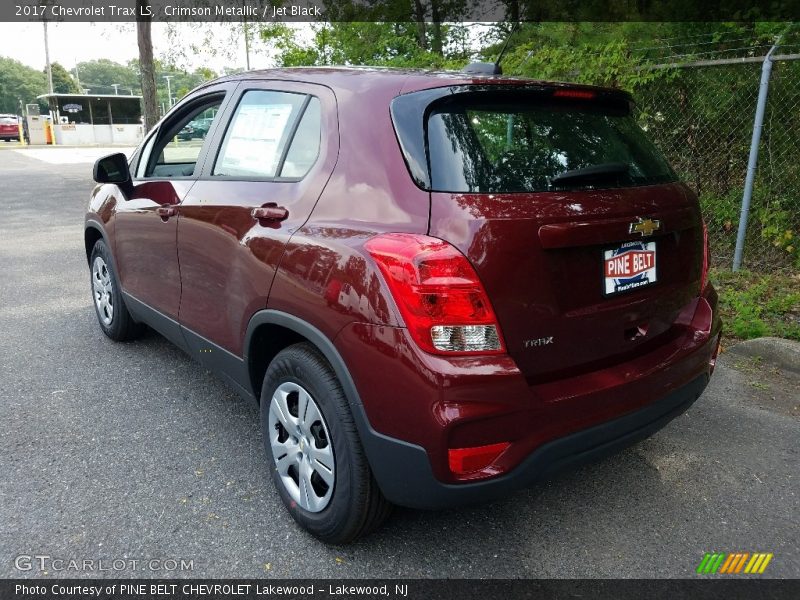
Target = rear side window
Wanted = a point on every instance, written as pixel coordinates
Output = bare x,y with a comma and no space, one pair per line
304,149
272,134
502,143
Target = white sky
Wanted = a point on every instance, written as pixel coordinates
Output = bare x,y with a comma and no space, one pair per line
75,42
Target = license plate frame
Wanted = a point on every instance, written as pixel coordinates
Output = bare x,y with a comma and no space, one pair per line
628,266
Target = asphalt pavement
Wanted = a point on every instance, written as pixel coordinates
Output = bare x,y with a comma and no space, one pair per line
121,454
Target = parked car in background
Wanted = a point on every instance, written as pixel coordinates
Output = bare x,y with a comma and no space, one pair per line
201,127
439,287
187,132
9,128
196,129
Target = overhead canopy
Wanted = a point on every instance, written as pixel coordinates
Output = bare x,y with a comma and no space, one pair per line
95,109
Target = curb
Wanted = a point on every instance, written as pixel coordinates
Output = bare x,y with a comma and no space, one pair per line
784,354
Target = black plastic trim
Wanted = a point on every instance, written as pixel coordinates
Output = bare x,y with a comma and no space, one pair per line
403,470
313,335
404,473
166,326
373,442
223,362
91,223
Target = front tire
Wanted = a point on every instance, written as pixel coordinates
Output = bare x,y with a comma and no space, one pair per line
315,456
112,314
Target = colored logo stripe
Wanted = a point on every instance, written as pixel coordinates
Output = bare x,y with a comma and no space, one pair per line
711,562
734,563
758,563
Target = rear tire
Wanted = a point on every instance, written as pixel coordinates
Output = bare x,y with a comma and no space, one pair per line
112,314
315,456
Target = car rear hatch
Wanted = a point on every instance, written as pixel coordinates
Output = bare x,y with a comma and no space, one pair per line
586,243
9,126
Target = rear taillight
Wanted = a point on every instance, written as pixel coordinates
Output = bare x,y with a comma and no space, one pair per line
438,293
704,274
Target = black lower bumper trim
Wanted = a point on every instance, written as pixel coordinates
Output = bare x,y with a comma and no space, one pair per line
404,473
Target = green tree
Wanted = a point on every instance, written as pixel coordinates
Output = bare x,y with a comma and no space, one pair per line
181,81
100,75
394,44
19,83
144,39
63,82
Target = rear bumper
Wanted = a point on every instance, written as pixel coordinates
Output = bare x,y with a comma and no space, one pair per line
404,472
412,407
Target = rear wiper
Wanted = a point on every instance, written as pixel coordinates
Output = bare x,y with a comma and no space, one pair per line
594,173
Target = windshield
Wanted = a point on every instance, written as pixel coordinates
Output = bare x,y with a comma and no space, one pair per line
482,144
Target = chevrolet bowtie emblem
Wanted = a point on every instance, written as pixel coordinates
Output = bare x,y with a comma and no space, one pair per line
644,226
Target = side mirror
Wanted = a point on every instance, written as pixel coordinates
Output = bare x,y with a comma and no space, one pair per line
113,169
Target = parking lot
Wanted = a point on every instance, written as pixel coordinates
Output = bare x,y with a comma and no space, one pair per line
133,452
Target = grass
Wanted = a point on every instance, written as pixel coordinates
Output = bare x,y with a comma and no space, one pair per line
758,304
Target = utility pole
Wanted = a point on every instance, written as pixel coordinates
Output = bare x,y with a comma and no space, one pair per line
752,162
169,90
77,77
47,56
246,43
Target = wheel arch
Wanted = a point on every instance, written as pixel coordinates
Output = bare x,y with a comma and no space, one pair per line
270,331
386,456
93,232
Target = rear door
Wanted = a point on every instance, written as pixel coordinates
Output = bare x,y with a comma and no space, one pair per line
587,245
267,170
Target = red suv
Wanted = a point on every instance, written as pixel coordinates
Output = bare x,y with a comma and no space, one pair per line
9,128
439,287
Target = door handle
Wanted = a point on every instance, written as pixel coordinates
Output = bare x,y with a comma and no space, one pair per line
270,213
166,211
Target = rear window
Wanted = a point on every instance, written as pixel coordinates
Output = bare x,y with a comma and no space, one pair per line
499,143
6,120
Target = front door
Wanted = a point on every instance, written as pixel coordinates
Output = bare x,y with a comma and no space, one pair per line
145,225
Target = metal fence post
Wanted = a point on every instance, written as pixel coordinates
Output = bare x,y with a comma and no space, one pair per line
766,70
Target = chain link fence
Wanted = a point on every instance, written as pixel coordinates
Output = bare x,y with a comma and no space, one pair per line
702,119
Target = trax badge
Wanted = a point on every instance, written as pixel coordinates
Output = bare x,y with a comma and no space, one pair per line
644,226
543,341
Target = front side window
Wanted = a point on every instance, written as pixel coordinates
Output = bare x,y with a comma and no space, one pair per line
265,138
502,143
178,144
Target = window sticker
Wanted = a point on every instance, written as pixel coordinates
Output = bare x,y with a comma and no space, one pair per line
254,139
